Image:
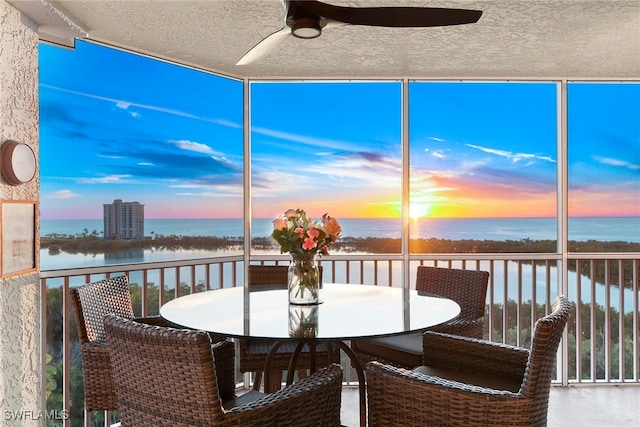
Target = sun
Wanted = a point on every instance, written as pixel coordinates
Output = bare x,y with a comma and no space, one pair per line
418,210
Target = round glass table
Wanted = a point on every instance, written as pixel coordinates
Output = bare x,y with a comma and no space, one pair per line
347,311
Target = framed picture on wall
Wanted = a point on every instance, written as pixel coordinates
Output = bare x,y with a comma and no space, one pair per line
18,231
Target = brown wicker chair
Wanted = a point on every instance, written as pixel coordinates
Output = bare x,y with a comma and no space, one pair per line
167,377
467,287
91,302
253,352
470,382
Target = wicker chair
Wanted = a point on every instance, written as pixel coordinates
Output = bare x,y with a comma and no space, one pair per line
166,377
470,382
467,287
91,302
252,353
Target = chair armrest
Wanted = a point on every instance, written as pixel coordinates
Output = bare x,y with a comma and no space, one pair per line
314,400
473,355
156,321
399,396
224,356
161,321
466,327
95,357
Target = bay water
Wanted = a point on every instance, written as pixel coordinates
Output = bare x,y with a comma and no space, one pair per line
626,229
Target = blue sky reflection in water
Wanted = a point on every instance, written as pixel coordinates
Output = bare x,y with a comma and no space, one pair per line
120,126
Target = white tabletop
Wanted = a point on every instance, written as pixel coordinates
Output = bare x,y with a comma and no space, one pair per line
348,312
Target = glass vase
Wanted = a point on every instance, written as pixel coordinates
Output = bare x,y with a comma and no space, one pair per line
304,280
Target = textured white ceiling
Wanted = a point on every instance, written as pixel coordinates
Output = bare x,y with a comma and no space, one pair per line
527,39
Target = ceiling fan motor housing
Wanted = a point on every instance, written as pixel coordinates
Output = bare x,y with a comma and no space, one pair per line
304,24
306,28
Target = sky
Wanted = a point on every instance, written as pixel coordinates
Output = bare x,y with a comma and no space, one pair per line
114,125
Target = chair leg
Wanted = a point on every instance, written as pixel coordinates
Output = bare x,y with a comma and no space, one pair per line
257,381
276,380
302,373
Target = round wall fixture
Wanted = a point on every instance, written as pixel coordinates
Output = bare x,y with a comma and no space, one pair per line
18,162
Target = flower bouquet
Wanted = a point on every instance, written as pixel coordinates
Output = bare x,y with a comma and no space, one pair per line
304,239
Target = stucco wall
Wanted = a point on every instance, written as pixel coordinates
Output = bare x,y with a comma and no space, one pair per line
21,355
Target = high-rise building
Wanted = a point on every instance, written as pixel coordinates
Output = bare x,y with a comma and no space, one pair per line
123,220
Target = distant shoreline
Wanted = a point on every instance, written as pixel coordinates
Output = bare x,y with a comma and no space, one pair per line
92,244
579,229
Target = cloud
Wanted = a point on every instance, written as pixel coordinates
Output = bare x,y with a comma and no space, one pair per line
518,179
65,194
232,189
197,147
110,156
360,165
305,140
616,162
125,105
181,160
514,157
182,164
219,193
278,180
110,179
211,195
438,154
360,160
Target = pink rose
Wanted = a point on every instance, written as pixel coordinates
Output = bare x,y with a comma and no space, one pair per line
308,243
299,231
313,233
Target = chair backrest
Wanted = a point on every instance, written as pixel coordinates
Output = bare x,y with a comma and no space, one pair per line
466,287
545,341
268,275
93,301
162,376
271,276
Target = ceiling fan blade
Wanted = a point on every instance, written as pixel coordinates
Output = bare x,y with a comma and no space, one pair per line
393,16
269,43
266,46
333,24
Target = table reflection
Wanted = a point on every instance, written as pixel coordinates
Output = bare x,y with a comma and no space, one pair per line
303,321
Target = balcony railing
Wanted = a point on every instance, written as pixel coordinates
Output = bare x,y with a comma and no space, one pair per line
601,343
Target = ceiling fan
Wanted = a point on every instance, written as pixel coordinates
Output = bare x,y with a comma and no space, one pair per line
306,19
